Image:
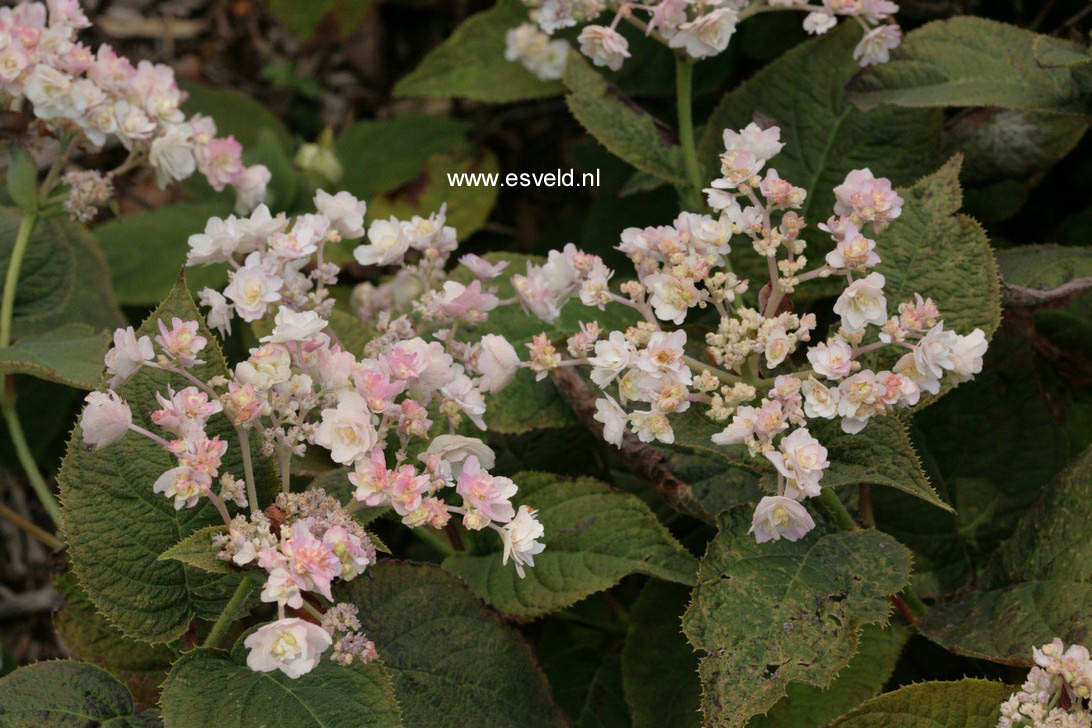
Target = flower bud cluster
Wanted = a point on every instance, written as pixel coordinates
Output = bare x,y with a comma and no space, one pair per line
647,374
1056,692
697,28
84,98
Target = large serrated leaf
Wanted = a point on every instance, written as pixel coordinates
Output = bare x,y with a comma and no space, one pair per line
806,706
625,129
71,354
825,137
68,693
1033,274
593,538
967,703
881,454
88,636
379,155
1037,586
659,669
206,683
941,255
767,615
453,662
471,63
146,250
63,279
116,527
198,551
968,61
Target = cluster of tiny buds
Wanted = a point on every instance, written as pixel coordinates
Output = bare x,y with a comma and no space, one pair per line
646,374
1055,693
81,98
697,28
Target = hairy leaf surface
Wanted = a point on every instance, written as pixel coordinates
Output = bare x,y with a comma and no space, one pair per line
453,662
593,538
116,527
784,612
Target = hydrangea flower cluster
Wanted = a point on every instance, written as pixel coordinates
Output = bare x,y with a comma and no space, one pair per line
646,374
82,100
1056,692
698,28
301,388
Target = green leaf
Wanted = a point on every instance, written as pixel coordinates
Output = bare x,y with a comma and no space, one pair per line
453,662
468,205
71,354
235,113
771,614
379,156
967,703
965,286
583,666
22,179
285,182
68,693
116,527
627,130
352,333
198,551
87,635
1010,144
659,668
471,63
1037,586
145,251
593,538
825,137
302,19
1032,274
206,683
881,454
805,706
63,280
968,61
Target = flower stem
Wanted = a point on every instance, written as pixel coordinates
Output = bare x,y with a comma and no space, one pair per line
698,365
684,72
864,505
11,281
248,469
220,627
836,510
7,400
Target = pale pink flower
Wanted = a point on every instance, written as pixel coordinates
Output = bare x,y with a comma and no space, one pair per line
488,494
832,359
864,198
184,413
105,419
518,536
181,342
371,478
497,362
345,212
253,287
310,560
293,646
347,430
778,517
604,46
482,268
612,417
467,303
862,303
289,326
801,459
127,355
